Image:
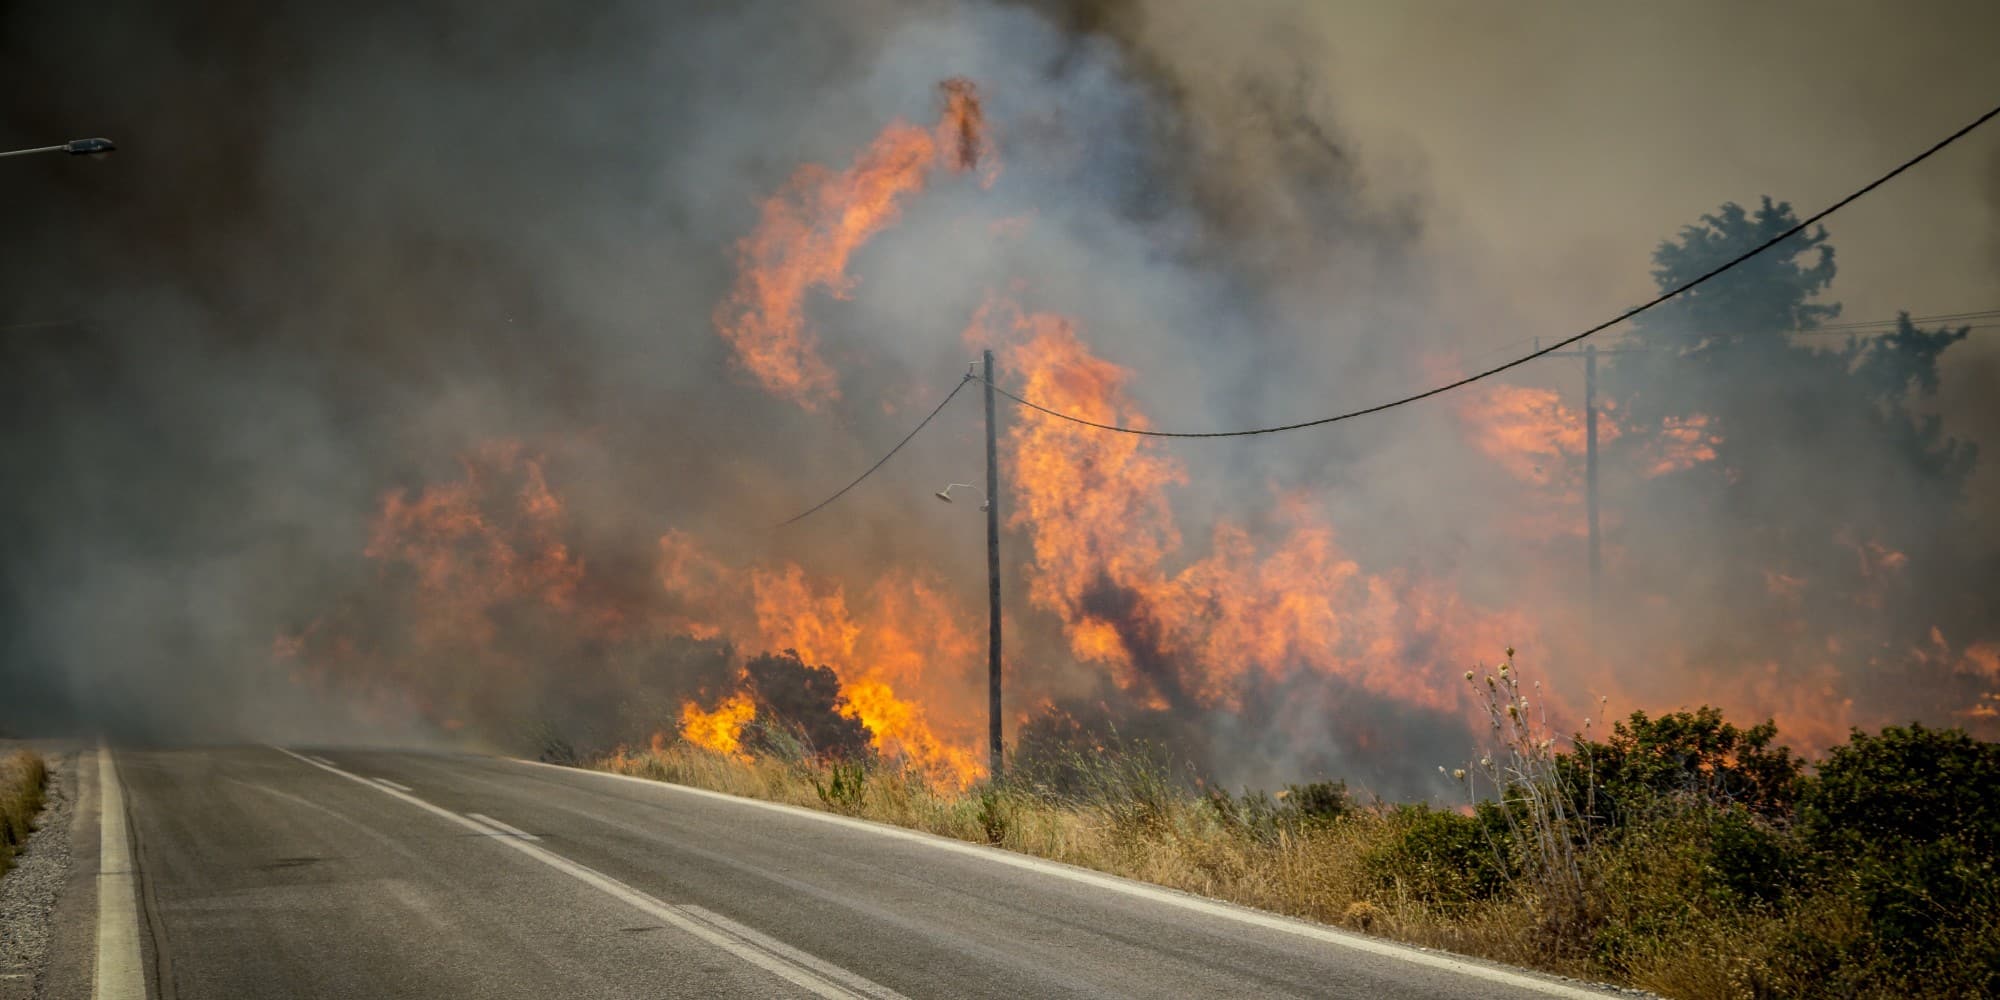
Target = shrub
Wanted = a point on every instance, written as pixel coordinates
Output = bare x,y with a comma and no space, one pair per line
1319,803
1907,824
23,778
1261,817
842,785
1682,755
803,702
1446,860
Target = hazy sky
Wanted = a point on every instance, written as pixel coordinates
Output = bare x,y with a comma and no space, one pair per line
1552,145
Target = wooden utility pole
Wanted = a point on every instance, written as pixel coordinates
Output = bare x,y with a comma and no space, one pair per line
1594,552
993,575
1590,465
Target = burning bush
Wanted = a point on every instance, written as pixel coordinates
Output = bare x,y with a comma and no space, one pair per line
800,708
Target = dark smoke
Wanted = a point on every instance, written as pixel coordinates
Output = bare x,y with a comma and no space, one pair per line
342,246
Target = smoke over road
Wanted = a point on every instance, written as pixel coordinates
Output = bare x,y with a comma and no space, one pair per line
440,375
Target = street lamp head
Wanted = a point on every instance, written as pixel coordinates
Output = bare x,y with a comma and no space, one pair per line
945,494
89,147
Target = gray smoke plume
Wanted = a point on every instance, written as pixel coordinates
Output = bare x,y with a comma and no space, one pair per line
339,249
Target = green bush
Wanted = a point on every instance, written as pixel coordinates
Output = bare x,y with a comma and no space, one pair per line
842,786
1681,755
1907,825
1446,860
1261,817
1319,803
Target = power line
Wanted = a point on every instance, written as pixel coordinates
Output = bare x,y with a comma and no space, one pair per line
815,508
1802,226
1890,324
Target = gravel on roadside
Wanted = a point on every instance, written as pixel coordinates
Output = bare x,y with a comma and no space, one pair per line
28,890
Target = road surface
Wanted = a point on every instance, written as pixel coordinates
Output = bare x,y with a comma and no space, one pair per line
265,872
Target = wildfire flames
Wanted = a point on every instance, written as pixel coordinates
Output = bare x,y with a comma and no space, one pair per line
811,227
1103,540
907,637
1174,624
720,730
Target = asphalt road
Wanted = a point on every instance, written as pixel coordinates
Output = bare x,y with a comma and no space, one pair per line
263,872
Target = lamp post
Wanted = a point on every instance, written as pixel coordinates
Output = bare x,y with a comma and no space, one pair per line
74,147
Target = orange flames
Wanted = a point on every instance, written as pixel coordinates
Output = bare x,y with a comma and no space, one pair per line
467,560
1529,432
1103,536
819,219
721,730
1979,664
907,638
1174,623
1683,443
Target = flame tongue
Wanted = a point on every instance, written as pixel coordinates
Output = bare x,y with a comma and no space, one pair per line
901,657
1102,533
722,729
810,228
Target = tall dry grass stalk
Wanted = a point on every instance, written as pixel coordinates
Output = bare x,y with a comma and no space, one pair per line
1546,816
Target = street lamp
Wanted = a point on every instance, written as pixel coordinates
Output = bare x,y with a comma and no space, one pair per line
945,494
74,147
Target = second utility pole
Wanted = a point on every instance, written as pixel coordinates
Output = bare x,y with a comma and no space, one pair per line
993,573
1590,465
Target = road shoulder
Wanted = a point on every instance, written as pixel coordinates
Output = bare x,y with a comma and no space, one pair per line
31,888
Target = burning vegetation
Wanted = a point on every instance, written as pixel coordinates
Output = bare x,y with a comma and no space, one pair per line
1268,619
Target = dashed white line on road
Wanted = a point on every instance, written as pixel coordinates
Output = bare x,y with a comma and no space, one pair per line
820,978
391,784
322,761
496,824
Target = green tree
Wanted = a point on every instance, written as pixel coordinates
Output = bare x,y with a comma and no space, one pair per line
1791,497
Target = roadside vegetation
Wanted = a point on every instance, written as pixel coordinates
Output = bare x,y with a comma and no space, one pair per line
23,778
1680,854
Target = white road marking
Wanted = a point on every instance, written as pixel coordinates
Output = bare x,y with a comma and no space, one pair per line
790,954
118,974
817,977
321,760
391,784
496,824
1141,890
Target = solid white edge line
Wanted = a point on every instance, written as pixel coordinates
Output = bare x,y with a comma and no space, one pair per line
394,785
1257,918
119,973
503,827
805,978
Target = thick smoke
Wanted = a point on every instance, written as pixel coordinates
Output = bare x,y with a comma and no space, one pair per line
342,252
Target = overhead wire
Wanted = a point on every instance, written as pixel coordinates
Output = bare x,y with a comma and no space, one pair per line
1672,293
1675,292
815,508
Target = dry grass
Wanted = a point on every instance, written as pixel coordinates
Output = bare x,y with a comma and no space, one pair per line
1317,873
23,777
1630,912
